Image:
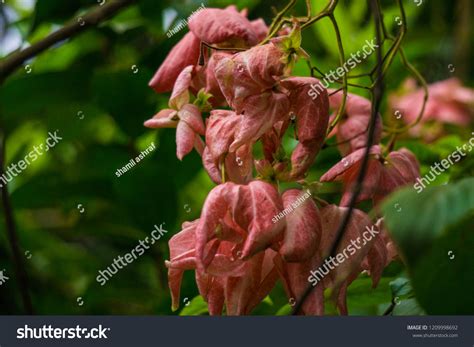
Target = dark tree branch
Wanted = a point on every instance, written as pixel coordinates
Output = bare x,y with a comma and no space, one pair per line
19,265
376,99
76,26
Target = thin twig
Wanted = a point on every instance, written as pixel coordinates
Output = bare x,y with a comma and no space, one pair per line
342,107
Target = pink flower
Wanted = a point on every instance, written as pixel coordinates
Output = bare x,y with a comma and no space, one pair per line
215,26
311,119
223,27
222,127
448,102
241,214
244,293
185,53
238,284
382,253
205,79
183,116
295,282
303,226
352,130
354,247
257,70
249,73
246,80
260,28
384,175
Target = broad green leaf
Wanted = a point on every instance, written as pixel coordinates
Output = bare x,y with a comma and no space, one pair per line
434,232
416,220
443,278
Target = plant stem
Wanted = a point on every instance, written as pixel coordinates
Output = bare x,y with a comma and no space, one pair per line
342,107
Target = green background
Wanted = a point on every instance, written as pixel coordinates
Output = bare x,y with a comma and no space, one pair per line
87,89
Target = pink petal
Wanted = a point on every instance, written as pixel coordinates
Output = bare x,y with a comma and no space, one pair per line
240,291
261,112
448,102
302,158
175,277
353,246
269,277
303,226
264,204
185,137
295,281
190,114
209,164
406,163
180,95
352,131
377,259
186,52
206,78
220,131
249,73
239,165
212,290
163,119
260,28
213,25
347,162
214,210
370,186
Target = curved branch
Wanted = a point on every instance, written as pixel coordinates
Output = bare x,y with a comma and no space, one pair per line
342,107
376,100
76,26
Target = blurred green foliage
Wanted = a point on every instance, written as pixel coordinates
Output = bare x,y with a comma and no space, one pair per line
87,89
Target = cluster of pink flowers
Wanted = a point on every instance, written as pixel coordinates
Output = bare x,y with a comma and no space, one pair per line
449,102
237,252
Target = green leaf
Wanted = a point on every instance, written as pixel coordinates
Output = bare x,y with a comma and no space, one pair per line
57,10
403,298
443,278
362,299
433,231
196,307
44,96
416,220
408,307
126,97
285,310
